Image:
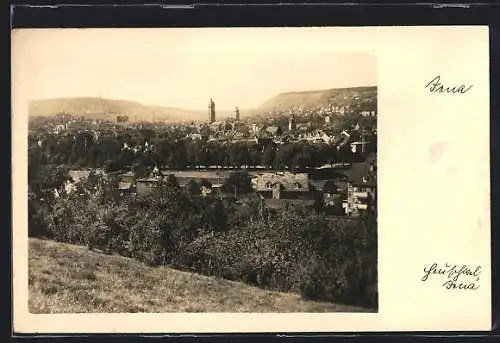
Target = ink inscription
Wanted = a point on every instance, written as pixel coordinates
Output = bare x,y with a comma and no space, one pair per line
455,276
436,86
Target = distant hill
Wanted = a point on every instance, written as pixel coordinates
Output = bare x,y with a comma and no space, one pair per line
101,108
340,96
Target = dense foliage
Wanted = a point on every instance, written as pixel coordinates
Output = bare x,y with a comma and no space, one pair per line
290,250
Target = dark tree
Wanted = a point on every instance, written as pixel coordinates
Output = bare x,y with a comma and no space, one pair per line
111,166
268,157
48,179
193,188
285,156
140,169
330,187
179,156
255,157
238,182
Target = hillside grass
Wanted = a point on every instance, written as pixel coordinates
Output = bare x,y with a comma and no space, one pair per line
65,278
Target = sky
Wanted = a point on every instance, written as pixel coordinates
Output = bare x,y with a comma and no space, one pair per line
185,67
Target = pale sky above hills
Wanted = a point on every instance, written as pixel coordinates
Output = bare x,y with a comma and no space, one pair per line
185,67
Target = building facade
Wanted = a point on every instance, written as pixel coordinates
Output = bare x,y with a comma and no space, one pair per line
361,188
360,198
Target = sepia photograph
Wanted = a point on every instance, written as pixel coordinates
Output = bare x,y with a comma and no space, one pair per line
188,171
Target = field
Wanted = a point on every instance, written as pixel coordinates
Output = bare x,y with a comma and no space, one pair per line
66,278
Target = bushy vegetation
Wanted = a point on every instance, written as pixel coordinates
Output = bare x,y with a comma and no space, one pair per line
290,250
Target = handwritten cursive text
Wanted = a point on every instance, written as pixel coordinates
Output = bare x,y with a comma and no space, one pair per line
435,86
456,276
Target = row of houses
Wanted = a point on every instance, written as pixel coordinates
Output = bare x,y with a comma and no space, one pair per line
350,190
354,190
326,109
358,139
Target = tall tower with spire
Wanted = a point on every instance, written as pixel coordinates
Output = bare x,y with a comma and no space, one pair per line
237,113
211,111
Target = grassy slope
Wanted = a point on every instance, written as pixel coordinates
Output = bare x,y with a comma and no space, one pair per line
65,278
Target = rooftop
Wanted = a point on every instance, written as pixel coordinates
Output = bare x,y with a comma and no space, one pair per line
360,170
288,181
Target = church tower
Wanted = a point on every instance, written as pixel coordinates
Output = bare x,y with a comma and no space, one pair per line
237,113
211,111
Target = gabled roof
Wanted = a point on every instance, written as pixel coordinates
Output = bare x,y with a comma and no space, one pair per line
360,174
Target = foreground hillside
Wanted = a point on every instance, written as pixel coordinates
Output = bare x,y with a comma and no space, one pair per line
66,278
318,98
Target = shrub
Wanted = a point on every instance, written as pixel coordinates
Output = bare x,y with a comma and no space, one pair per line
36,223
346,270
146,241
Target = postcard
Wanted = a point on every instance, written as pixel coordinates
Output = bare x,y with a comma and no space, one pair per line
211,180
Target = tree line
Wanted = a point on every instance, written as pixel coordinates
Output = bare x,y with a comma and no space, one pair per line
85,150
